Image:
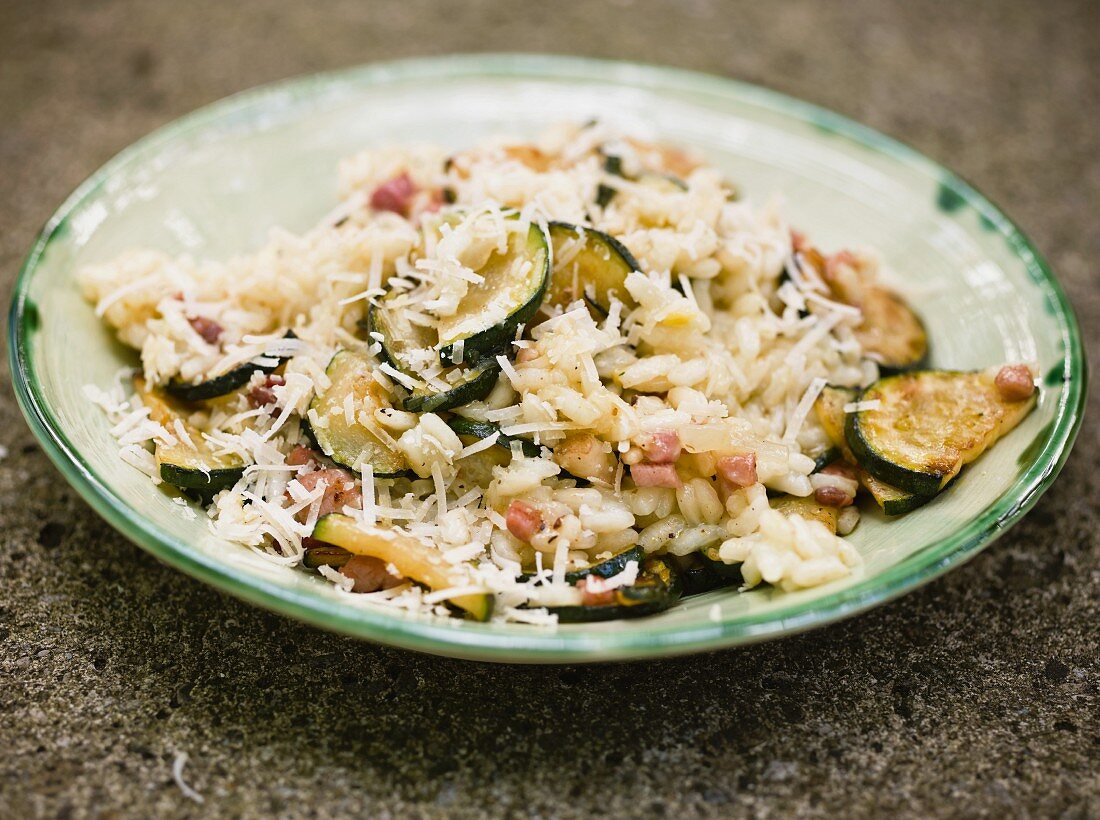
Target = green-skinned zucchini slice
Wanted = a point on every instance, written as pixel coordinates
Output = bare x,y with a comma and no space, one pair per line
928,425
510,293
326,555
350,444
601,569
729,573
412,559
890,332
595,271
830,412
657,588
212,388
826,457
892,500
221,385
474,385
399,338
483,429
403,344
829,408
189,466
697,575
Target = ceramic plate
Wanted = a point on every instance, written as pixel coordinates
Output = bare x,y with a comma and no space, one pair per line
213,183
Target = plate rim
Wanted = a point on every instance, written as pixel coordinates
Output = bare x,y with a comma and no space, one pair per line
477,641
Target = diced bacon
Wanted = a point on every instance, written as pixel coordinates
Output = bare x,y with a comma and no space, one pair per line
340,490
332,477
301,455
832,497
661,447
368,573
523,520
593,595
210,330
738,470
1015,382
526,354
351,497
262,395
646,474
394,195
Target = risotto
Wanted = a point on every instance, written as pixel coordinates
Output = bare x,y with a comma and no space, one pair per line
564,380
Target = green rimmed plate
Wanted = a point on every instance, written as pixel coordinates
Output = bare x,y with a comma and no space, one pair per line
212,183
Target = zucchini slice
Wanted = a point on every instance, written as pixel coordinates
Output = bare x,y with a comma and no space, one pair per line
327,555
891,333
400,340
729,573
212,388
413,559
188,465
829,408
807,508
601,569
658,587
892,500
350,444
483,429
221,385
604,195
474,385
830,412
928,425
399,337
510,293
594,272
826,457
698,577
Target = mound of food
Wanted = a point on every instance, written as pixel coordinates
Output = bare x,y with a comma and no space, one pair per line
567,380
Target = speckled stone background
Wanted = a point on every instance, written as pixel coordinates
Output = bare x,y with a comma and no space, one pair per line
975,696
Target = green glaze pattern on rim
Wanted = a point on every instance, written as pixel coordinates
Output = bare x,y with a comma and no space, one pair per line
1041,459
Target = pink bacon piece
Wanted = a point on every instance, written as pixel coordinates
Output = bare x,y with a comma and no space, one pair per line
661,447
738,470
1015,382
369,574
523,520
394,195
656,475
301,455
210,330
262,395
833,497
340,489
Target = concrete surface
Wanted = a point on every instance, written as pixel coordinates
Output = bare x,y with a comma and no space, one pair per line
974,696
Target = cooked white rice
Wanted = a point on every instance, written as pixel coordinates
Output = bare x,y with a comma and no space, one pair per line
728,347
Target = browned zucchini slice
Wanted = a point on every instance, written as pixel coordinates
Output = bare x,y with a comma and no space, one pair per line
891,333
412,559
927,425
